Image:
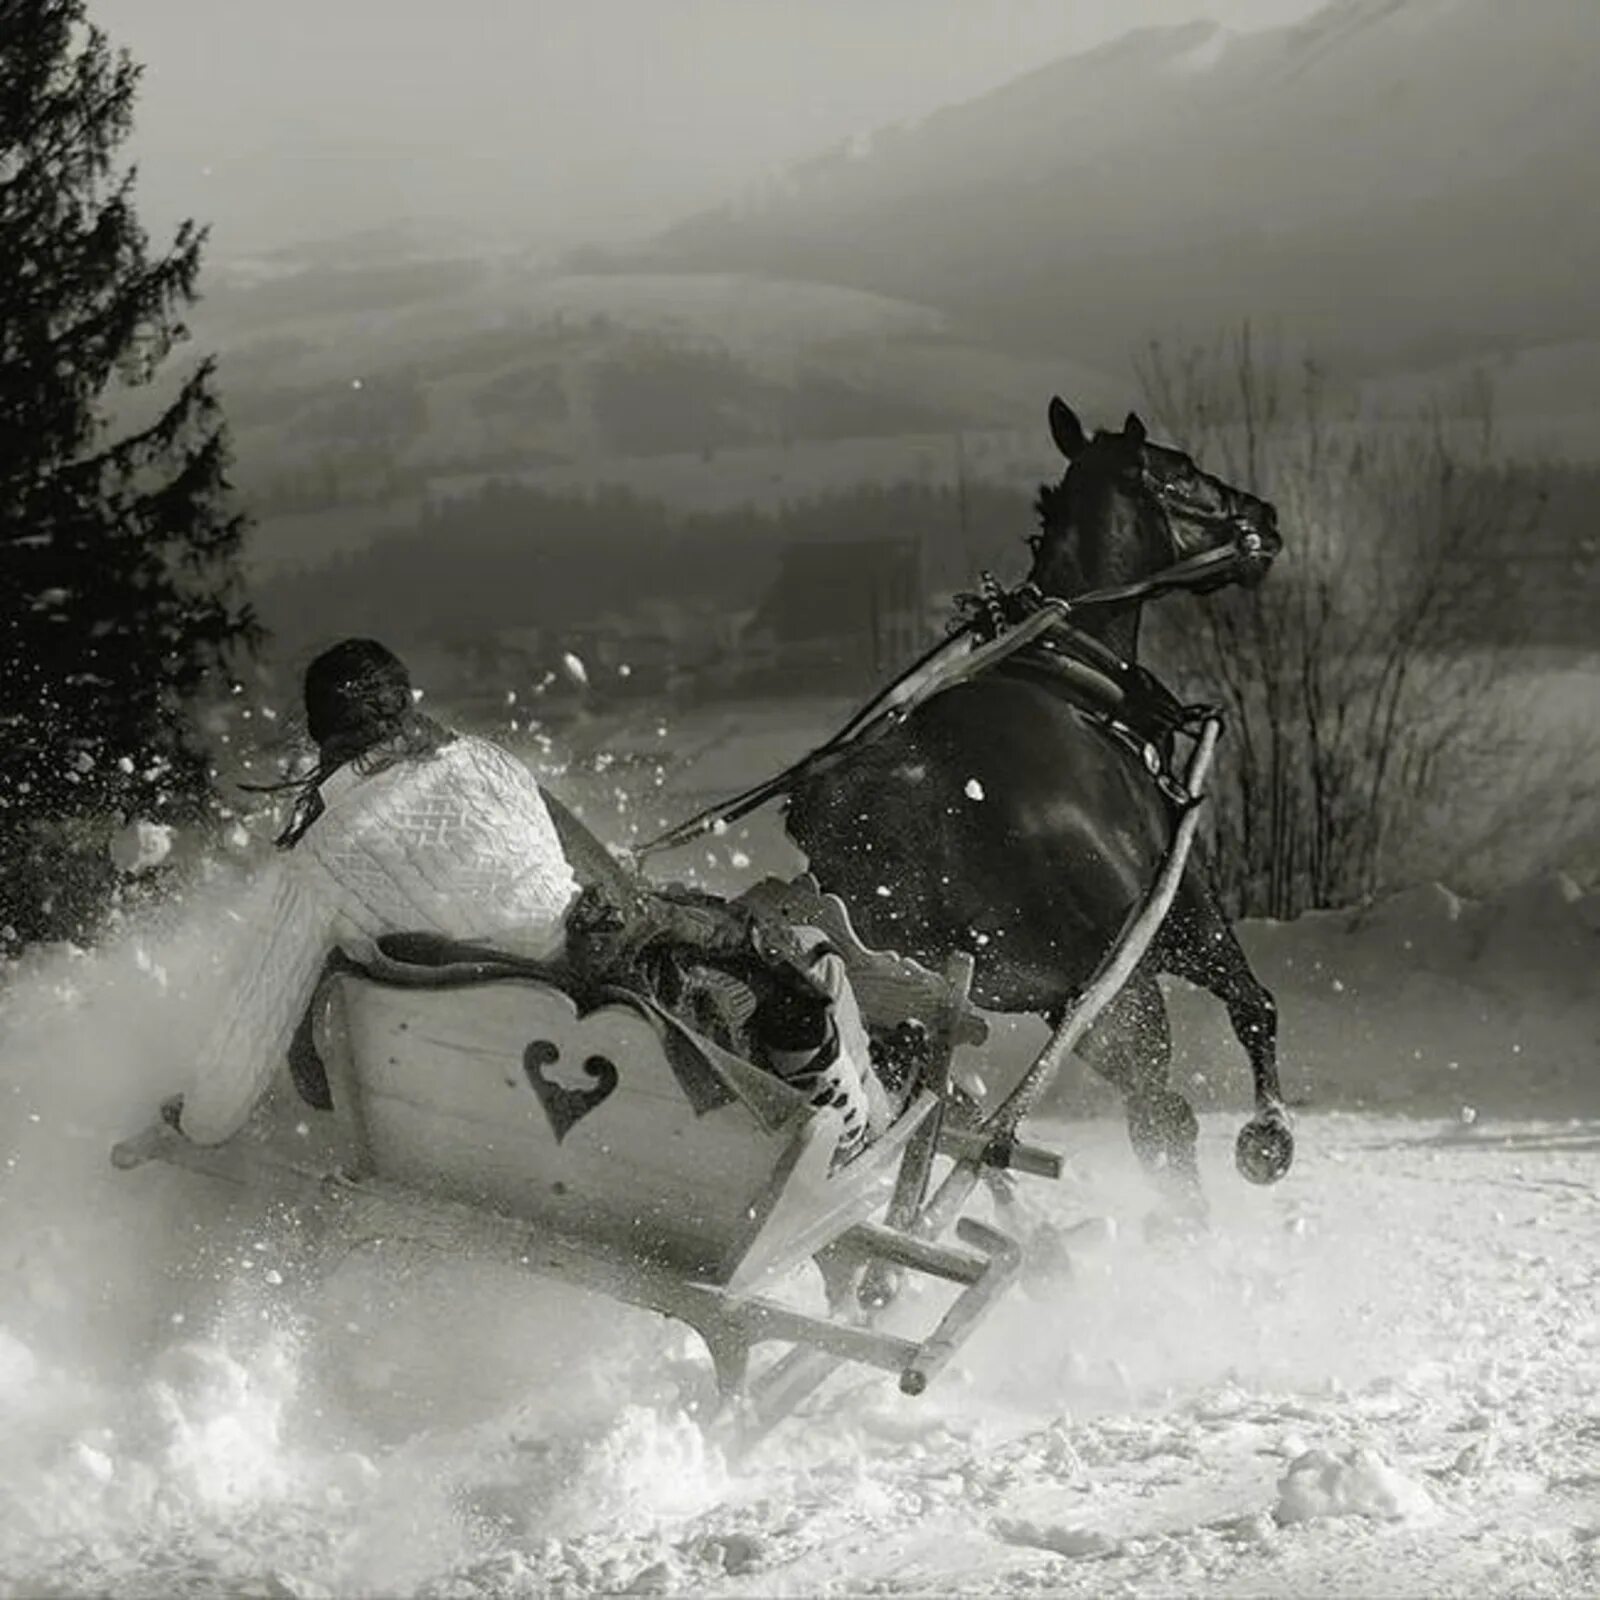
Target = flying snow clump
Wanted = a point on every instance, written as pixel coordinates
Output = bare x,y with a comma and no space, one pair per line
140,846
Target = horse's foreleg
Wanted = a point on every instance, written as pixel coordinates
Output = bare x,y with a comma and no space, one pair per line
1199,945
1130,1046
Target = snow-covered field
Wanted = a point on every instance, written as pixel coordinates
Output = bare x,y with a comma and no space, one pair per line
1381,1377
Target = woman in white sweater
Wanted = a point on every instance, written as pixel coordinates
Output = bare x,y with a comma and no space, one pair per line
406,826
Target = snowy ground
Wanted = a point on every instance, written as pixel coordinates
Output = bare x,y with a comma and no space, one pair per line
1381,1377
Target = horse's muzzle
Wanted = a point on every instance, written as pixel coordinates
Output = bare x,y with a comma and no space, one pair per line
1256,547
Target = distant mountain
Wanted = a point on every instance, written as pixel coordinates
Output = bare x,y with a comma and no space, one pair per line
1404,183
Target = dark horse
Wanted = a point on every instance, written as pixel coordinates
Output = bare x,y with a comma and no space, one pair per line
1000,819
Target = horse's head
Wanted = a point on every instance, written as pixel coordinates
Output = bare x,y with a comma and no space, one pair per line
1128,509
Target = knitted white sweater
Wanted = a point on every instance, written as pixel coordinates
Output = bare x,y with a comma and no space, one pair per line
458,843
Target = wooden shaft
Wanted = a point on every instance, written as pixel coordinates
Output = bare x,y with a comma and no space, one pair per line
966,1144
764,1319
962,1178
948,1199
776,1392
1129,952
934,1353
952,661
937,1260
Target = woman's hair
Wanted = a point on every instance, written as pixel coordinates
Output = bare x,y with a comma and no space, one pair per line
360,709
357,695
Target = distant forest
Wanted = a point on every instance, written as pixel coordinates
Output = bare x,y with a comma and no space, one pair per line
514,557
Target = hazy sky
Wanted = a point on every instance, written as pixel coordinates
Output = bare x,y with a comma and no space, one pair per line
284,119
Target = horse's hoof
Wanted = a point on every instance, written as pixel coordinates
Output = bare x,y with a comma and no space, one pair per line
1265,1149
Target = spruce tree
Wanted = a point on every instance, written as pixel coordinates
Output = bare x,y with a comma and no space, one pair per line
119,605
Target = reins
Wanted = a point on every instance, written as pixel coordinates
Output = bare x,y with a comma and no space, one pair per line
953,660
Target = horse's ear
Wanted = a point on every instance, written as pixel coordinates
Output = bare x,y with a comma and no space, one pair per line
1065,428
1133,430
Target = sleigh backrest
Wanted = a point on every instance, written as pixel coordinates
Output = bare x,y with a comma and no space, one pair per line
889,988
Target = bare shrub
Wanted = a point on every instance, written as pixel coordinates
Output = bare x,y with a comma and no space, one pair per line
1362,680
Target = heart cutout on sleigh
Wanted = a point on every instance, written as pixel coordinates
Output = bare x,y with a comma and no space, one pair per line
566,1107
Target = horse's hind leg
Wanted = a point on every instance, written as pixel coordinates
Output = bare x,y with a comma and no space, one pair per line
1130,1046
1199,945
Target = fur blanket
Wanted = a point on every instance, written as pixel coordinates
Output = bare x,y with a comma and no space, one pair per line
738,976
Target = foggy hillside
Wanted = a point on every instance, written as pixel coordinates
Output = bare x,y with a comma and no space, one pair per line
1401,182
419,365
1402,186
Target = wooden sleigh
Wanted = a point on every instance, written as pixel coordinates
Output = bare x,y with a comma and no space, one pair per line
477,1108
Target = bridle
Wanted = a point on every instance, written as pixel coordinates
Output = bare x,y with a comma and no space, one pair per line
1244,542
1154,496
1181,572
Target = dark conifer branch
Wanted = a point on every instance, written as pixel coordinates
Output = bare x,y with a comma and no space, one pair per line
119,587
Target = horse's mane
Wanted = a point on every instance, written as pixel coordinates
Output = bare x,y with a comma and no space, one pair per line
1051,506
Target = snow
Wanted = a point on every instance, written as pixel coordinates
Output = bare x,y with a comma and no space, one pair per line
1204,57
1430,1002
140,846
1358,1482
1380,1376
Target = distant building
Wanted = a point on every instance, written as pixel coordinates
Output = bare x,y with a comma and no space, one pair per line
840,614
